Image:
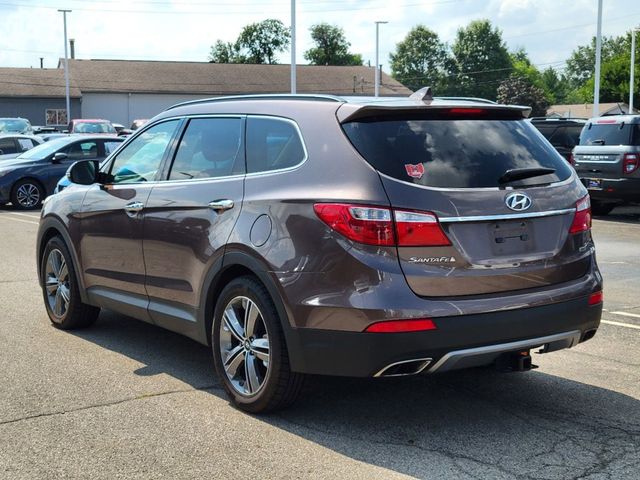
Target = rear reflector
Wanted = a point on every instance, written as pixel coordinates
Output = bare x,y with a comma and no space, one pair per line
582,218
596,298
398,326
374,225
630,163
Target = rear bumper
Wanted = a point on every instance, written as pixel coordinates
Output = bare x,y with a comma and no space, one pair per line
459,342
617,190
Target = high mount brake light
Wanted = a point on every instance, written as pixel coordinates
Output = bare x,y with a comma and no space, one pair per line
582,218
467,111
375,226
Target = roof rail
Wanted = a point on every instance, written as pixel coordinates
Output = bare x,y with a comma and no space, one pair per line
268,96
471,99
559,119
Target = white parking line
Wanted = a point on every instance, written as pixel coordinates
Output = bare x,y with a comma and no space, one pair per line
620,324
19,220
37,215
625,314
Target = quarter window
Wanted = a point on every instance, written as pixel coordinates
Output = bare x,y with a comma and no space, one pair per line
209,148
272,144
140,160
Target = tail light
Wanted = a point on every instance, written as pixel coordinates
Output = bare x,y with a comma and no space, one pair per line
383,226
630,163
582,218
595,298
398,326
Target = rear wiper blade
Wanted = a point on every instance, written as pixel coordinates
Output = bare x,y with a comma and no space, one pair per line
599,141
522,173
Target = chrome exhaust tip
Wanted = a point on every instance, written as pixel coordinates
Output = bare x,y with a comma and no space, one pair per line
404,368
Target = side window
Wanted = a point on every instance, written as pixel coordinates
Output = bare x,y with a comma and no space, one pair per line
25,144
82,151
109,147
140,160
209,148
7,146
272,144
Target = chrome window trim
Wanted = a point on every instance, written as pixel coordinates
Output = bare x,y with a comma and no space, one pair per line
508,216
280,170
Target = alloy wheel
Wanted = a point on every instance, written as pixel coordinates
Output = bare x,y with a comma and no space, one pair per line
244,346
57,283
28,195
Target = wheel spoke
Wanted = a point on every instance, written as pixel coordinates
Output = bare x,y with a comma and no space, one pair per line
51,285
63,271
260,348
251,374
64,291
57,308
233,360
251,314
232,324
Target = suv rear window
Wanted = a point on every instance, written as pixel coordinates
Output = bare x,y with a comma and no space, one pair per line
610,134
455,153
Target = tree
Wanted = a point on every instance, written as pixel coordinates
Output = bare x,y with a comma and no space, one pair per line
581,64
332,47
481,58
263,40
519,91
420,60
225,52
257,43
556,86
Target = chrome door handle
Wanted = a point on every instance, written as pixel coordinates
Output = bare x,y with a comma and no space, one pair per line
134,207
221,205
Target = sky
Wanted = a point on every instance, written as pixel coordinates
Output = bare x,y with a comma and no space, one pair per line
184,30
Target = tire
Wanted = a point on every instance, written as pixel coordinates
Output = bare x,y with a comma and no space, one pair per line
252,384
27,194
60,289
599,208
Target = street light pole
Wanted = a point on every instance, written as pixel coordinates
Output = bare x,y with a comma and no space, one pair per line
596,86
633,65
66,64
377,67
293,47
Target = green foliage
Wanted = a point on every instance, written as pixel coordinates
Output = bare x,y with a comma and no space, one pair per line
332,47
481,58
518,90
257,43
581,64
421,60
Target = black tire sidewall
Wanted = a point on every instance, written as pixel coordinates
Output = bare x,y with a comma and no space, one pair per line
14,193
250,288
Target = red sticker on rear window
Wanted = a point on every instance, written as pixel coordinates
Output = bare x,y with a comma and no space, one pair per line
414,171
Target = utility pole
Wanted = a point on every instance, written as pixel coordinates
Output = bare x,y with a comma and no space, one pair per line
66,64
596,86
377,74
293,47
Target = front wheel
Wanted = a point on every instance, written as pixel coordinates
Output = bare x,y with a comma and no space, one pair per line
60,289
249,349
27,194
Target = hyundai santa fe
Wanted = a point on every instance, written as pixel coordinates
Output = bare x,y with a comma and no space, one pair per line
322,235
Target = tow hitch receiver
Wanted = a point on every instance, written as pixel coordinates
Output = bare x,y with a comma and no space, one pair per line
515,361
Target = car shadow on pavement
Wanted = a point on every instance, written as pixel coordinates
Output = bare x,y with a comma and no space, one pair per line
467,424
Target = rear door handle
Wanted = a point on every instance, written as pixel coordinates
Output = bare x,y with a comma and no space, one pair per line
134,207
221,205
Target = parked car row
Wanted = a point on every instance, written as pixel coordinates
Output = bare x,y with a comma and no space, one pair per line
605,152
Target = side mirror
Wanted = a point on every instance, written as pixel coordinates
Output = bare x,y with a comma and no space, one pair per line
84,172
58,157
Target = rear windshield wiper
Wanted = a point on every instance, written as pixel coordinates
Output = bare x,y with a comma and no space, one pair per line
599,141
522,173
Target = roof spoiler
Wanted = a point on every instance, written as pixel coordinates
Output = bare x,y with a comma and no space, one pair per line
425,95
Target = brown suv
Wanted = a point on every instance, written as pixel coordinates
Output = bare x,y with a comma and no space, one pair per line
321,235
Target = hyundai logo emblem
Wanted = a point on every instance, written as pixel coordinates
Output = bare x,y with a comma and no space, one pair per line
518,201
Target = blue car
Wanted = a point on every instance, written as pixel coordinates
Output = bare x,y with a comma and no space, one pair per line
28,179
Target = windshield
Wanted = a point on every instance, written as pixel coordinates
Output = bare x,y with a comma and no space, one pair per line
455,153
93,127
13,125
610,134
45,149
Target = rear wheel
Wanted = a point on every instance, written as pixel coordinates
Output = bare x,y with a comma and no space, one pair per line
60,289
27,194
249,349
599,208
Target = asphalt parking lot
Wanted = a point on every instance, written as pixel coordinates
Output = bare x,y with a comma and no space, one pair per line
127,400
